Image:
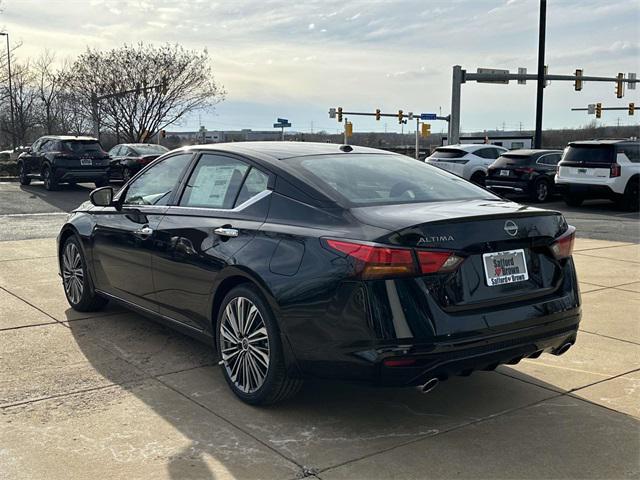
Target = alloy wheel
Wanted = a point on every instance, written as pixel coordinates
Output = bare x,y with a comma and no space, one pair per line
244,342
542,190
72,273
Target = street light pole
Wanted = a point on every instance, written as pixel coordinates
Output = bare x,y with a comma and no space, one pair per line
541,77
13,124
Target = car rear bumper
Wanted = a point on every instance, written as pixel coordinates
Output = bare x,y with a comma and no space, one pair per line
585,190
506,186
80,175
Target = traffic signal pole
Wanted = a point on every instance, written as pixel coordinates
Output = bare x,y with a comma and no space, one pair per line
454,125
537,138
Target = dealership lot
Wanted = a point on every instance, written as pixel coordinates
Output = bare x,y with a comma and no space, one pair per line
134,399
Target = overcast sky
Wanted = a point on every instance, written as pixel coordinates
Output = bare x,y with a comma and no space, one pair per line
295,59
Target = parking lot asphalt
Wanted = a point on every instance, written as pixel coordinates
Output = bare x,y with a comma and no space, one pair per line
32,212
114,395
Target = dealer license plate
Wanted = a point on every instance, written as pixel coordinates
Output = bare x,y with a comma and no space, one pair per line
504,173
501,268
86,161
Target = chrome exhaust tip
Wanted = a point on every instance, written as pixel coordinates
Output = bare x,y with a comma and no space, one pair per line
429,385
563,348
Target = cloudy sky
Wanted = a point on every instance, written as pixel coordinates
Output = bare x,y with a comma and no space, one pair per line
296,59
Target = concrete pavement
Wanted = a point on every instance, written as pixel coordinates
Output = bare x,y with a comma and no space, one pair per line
113,395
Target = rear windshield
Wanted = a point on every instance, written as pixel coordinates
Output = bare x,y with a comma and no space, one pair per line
589,154
81,146
448,153
150,149
512,160
379,179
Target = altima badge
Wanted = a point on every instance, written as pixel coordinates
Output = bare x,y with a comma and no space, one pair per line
511,228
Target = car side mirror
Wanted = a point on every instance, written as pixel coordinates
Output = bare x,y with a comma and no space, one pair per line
102,197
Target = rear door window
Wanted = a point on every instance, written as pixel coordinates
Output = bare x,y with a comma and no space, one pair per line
490,153
586,154
448,153
631,151
215,182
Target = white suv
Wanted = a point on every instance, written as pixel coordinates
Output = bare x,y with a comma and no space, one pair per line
601,169
469,161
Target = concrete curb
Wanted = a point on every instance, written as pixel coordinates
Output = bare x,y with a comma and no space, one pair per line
9,179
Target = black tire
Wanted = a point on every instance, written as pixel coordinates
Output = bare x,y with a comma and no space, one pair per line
126,174
101,183
573,200
541,190
478,178
22,174
50,183
83,298
276,384
630,200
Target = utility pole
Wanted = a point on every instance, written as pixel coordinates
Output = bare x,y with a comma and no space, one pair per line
454,124
541,77
13,122
346,138
417,137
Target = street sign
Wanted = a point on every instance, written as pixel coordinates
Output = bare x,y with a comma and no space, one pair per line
281,125
492,71
282,120
410,116
631,85
428,116
591,109
523,73
332,113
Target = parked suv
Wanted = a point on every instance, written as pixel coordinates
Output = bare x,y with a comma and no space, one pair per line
128,158
601,169
529,172
469,161
64,159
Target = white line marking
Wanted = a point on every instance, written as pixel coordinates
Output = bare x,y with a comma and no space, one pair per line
33,214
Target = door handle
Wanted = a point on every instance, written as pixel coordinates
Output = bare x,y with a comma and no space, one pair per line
226,232
144,231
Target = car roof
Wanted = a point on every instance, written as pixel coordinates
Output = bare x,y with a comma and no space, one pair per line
606,141
138,144
470,147
529,152
70,137
282,150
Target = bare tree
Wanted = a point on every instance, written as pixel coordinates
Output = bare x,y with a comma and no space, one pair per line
24,102
48,85
164,82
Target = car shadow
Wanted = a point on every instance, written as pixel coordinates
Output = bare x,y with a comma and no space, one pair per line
327,419
65,198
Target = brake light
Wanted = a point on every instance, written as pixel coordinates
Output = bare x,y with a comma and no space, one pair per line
524,170
399,362
377,262
615,170
563,245
432,262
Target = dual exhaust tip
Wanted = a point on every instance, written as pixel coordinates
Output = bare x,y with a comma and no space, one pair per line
432,383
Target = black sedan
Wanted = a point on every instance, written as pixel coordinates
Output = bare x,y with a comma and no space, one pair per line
302,260
528,172
128,158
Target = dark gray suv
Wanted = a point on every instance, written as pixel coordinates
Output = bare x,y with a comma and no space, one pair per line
64,159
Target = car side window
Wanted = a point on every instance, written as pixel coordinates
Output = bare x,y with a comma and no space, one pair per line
214,183
155,186
115,151
490,153
632,152
36,145
255,183
44,146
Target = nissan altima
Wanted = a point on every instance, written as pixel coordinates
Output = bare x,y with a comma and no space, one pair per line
305,260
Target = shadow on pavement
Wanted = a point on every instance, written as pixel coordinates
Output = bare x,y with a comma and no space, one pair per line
330,424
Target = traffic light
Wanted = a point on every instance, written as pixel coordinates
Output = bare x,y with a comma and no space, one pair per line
426,130
377,114
578,84
598,110
400,115
348,129
339,114
620,86
163,133
632,108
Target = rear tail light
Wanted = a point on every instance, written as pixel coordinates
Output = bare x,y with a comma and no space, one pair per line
615,170
562,247
432,262
372,261
524,170
399,362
